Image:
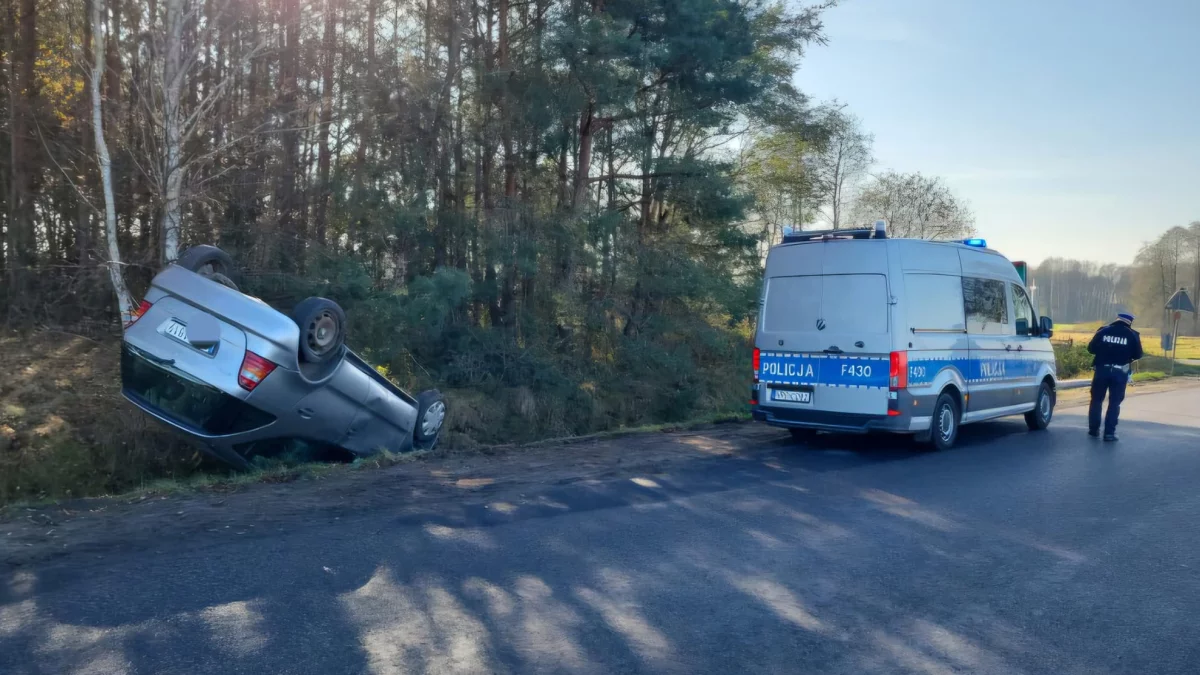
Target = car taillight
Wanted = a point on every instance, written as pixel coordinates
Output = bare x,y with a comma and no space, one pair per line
136,314
254,370
757,362
898,371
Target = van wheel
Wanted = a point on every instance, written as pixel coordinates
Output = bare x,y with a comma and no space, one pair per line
803,435
943,428
1039,418
322,329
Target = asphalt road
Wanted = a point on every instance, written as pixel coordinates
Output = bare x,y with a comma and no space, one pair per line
1014,553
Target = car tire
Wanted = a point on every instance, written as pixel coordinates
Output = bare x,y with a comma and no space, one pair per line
943,427
206,261
803,435
1043,411
431,419
322,329
223,280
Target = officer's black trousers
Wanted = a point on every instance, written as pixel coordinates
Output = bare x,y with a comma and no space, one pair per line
1112,382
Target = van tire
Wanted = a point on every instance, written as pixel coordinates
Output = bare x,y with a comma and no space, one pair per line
943,427
1043,411
803,435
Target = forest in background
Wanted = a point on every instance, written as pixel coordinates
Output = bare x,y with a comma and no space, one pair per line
555,208
1078,291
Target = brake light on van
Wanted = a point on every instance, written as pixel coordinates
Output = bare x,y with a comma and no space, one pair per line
254,370
138,313
757,362
898,371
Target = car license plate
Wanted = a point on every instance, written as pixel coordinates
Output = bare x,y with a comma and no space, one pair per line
176,329
791,396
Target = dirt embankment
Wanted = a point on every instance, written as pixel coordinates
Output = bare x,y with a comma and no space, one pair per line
64,428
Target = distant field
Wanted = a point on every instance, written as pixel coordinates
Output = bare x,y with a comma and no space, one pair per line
1189,347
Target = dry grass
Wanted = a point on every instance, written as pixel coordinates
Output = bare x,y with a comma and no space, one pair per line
66,432
1188,348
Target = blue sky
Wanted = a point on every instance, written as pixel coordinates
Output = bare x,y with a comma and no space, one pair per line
1072,127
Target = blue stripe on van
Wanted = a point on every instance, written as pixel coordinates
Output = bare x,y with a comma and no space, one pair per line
872,372
924,370
831,370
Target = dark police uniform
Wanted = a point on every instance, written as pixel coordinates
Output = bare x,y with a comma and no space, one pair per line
1115,346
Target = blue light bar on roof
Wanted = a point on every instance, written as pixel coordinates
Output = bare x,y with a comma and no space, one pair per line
976,242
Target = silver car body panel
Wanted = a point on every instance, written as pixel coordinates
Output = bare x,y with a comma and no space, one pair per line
346,403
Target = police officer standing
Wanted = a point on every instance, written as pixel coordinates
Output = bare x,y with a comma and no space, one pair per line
1116,346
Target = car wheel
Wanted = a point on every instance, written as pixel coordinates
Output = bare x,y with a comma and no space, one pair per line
1039,418
223,280
322,329
803,435
943,428
431,418
206,261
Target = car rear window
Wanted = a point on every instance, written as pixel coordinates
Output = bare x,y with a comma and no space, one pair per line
836,303
195,405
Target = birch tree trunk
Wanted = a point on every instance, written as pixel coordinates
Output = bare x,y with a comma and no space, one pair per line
124,299
172,167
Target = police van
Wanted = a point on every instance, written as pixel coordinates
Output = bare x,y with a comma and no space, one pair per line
858,332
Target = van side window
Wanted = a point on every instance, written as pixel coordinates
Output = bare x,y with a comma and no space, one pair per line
1024,310
986,303
935,303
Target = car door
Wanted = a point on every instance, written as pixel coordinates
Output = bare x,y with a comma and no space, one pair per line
1024,364
990,336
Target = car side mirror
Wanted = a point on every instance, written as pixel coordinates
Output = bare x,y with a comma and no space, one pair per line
1022,326
1047,327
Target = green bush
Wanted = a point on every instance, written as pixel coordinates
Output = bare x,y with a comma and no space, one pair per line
1073,360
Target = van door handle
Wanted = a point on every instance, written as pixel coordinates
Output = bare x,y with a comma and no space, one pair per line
834,350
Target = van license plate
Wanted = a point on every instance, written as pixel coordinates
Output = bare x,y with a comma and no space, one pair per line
791,396
176,329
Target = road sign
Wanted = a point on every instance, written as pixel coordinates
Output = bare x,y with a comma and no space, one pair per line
1180,302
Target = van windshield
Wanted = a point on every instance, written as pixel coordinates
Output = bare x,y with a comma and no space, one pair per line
847,304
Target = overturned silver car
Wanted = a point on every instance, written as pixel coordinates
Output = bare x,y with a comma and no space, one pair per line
231,372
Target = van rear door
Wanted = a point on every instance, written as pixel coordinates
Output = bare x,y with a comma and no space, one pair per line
825,327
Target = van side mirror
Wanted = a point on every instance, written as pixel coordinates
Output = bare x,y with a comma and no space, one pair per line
1022,326
1047,327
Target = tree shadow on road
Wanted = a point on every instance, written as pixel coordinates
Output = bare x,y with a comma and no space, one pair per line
764,562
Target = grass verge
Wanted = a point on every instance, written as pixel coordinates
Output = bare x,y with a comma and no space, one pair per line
67,433
280,471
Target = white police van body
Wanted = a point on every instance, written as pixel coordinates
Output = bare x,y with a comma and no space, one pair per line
859,333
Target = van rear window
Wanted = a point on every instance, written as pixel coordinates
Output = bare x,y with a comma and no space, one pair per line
844,304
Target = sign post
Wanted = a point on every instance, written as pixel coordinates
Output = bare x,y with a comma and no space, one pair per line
1178,304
